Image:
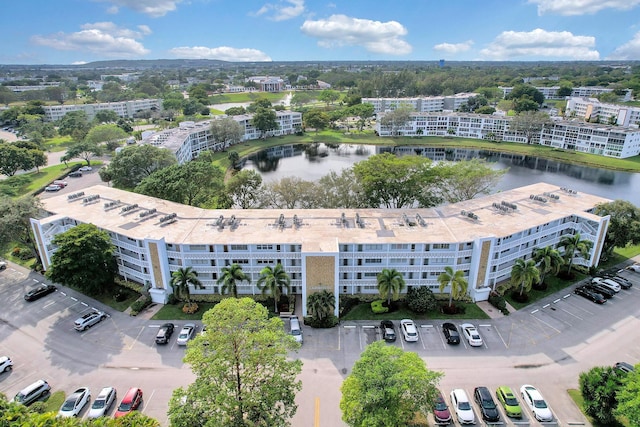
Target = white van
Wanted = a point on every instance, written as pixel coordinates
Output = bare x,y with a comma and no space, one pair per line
296,331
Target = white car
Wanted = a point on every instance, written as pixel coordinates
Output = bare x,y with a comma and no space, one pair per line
471,334
85,168
634,267
75,402
103,403
611,284
52,187
88,320
3,265
5,364
186,334
532,397
409,330
462,406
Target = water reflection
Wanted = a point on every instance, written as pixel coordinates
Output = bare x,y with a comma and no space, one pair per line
313,161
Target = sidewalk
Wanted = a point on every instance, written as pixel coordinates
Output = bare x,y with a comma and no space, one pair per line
493,312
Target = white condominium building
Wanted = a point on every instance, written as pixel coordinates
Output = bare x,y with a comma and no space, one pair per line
591,109
420,104
125,109
551,92
340,250
191,138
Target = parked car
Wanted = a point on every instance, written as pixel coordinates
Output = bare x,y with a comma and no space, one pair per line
488,408
5,363
52,187
75,402
3,265
130,402
532,397
601,289
471,334
441,412
589,294
75,174
508,401
85,168
39,292
60,182
88,320
634,267
103,403
607,282
409,330
186,333
451,333
624,283
388,331
164,333
462,406
295,329
624,367
32,392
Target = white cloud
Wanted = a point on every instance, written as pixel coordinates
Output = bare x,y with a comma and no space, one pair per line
153,8
454,48
581,7
375,36
283,10
539,43
628,51
223,53
100,38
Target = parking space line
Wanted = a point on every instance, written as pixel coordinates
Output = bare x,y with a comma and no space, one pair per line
500,335
49,304
74,299
147,401
547,324
571,314
62,293
135,340
85,304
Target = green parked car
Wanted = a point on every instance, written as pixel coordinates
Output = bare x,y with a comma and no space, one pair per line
509,402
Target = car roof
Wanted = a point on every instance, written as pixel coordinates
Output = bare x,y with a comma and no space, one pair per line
104,392
130,394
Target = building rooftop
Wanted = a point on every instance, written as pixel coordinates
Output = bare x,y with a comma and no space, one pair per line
319,230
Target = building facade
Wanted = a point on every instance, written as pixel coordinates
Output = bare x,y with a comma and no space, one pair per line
551,92
422,104
126,109
591,109
338,250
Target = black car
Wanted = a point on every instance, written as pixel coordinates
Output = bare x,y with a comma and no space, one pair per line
451,333
624,367
589,294
624,283
75,174
39,292
487,405
601,289
164,333
388,331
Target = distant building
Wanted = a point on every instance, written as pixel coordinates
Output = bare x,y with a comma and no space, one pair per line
421,104
591,109
267,83
126,109
551,92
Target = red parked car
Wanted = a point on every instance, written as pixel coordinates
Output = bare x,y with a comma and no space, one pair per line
130,402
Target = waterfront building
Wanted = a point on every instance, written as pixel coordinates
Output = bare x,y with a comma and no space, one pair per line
421,104
126,109
591,109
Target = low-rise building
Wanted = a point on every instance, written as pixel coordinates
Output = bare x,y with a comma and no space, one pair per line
591,109
421,104
126,109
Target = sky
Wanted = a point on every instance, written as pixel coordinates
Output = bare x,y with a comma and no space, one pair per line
80,31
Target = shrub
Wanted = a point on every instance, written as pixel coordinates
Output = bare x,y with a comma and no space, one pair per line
190,308
498,302
16,252
39,407
378,307
172,299
136,287
347,302
519,298
421,299
327,322
139,305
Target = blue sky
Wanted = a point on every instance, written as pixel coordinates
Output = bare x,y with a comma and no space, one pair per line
78,31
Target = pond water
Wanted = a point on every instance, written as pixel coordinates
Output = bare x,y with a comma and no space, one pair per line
311,162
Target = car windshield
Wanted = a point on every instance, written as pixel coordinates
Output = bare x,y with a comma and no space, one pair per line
19,397
184,334
539,404
295,332
511,401
475,337
441,406
464,406
124,407
487,404
98,404
69,404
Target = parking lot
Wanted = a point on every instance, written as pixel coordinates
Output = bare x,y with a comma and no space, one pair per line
546,345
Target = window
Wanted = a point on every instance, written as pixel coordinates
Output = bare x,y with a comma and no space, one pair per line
372,247
239,261
369,274
373,261
399,247
440,246
265,262
263,247
238,247
197,248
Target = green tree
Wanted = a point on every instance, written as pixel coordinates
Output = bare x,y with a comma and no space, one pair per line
289,193
316,119
243,188
84,259
548,260
390,284
629,398
465,179
264,119
84,150
529,123
338,191
109,134
520,91
274,280
321,304
624,225
363,111
227,131
258,104
244,375
421,299
300,98
106,116
131,165
75,124
574,245
599,387
235,111
181,281
13,158
15,221
329,96
387,387
229,278
396,119
455,281
524,274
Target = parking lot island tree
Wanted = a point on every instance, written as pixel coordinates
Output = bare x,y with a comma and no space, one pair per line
455,281
244,375
599,387
181,281
629,398
524,274
229,278
387,387
275,281
390,284
85,259
574,245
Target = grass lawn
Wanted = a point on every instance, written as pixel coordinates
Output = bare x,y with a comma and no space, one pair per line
554,284
59,143
174,312
117,305
363,312
246,97
55,401
627,252
576,396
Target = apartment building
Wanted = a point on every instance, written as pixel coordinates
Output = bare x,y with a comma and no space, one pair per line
591,109
125,109
191,138
338,250
422,104
593,138
551,92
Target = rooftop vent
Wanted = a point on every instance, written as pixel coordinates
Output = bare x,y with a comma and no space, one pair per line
168,219
512,206
75,196
469,215
568,190
421,220
538,198
91,198
147,213
220,221
111,204
359,221
129,208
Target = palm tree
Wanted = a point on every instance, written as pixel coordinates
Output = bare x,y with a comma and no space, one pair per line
390,283
181,279
548,260
574,244
229,278
455,279
524,273
273,281
320,305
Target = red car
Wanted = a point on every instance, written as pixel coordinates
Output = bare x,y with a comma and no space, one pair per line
441,411
130,402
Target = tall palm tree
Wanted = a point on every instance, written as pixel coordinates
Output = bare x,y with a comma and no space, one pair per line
229,278
390,284
181,279
320,305
273,281
524,273
574,245
455,279
548,260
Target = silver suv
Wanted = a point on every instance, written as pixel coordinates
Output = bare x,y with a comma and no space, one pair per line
88,320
